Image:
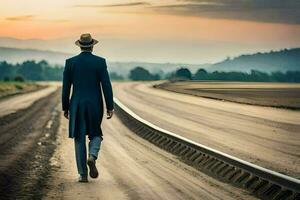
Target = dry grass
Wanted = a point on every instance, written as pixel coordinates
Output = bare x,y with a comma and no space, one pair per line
11,88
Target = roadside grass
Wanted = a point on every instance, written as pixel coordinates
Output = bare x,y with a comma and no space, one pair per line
13,87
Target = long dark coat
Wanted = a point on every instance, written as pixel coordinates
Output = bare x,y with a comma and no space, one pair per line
86,73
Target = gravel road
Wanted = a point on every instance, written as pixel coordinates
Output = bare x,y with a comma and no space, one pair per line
28,127
132,168
265,136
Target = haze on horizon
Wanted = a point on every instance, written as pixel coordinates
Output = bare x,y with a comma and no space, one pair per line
184,31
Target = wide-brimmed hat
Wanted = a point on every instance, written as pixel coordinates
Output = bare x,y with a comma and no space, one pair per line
86,40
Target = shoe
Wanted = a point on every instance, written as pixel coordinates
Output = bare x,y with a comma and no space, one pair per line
83,179
92,165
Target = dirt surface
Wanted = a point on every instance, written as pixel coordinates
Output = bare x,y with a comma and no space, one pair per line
266,136
27,138
14,103
281,95
132,168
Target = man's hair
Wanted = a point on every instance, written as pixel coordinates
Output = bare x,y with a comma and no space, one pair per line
86,48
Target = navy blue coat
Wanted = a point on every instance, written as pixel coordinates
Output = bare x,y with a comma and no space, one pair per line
86,73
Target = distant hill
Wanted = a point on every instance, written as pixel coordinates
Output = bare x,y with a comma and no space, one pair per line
160,68
14,55
284,60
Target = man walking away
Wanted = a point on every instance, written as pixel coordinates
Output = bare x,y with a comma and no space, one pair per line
86,74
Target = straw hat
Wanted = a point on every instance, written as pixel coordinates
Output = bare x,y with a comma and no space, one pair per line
86,40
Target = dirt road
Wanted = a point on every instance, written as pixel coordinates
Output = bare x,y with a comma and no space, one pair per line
265,136
132,168
278,95
15,103
28,127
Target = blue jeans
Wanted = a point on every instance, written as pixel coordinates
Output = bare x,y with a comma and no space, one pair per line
80,151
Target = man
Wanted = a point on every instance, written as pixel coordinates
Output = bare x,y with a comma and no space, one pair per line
86,73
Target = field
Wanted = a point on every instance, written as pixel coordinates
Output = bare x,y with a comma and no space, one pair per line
11,88
281,95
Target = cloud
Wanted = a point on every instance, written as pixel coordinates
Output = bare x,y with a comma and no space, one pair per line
58,20
275,11
33,17
139,3
21,18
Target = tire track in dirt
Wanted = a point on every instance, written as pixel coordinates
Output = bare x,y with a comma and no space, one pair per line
26,145
132,168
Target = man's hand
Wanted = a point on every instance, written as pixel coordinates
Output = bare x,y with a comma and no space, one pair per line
110,113
66,114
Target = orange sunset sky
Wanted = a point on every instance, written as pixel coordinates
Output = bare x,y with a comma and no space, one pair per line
191,31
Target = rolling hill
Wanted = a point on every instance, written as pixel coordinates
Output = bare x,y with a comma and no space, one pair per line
283,60
14,55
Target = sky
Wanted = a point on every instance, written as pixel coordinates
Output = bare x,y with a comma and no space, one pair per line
186,31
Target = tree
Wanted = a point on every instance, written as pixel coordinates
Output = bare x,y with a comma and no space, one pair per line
256,75
115,76
278,76
183,73
292,76
201,74
31,70
19,79
141,74
6,79
156,77
52,73
6,70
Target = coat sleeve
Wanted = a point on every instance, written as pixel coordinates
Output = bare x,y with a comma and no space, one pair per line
106,87
66,87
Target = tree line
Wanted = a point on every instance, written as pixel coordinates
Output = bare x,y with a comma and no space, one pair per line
139,73
30,70
252,76
39,71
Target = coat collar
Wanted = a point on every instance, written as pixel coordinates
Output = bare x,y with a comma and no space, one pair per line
86,52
